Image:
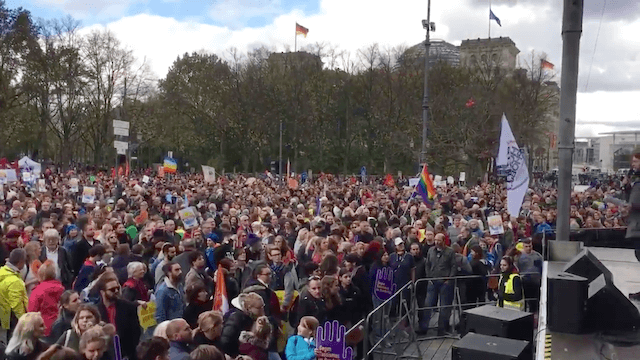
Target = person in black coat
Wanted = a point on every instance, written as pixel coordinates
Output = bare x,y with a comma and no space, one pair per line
121,313
83,246
250,306
350,299
198,302
311,301
52,250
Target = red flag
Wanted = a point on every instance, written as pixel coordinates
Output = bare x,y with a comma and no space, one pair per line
220,299
388,180
470,103
546,65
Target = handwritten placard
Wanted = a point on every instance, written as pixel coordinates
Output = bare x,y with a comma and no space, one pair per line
146,315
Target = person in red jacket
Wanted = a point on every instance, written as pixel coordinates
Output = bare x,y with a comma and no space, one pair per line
44,297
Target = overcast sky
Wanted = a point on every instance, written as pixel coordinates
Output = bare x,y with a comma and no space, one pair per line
160,30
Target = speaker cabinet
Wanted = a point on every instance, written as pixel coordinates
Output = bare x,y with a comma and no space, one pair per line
586,264
567,303
482,347
609,309
496,321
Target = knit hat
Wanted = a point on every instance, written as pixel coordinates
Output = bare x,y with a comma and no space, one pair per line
71,227
13,234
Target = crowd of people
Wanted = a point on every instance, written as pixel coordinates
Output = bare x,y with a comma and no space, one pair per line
75,273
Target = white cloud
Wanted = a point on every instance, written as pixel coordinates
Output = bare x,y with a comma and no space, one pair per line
98,9
356,24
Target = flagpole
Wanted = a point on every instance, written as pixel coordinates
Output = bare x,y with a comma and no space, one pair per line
295,42
489,19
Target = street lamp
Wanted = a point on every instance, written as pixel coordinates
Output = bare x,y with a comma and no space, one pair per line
429,26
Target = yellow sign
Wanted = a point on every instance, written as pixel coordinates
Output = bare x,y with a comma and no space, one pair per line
280,295
146,316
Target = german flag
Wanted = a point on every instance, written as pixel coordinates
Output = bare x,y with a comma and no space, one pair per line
301,30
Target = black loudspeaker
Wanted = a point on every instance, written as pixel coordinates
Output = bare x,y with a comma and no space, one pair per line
482,347
496,321
588,266
567,303
609,309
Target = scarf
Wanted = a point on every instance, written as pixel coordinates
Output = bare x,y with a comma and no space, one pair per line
139,287
276,269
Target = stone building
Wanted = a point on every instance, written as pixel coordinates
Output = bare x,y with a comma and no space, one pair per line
501,51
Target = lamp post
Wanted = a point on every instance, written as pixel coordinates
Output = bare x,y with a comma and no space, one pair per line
429,26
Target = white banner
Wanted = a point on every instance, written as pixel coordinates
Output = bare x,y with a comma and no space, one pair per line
209,174
414,181
8,176
514,165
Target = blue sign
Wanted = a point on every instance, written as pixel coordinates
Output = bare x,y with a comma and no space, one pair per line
304,176
363,174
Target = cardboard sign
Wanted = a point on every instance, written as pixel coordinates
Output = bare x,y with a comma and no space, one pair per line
8,176
88,195
146,316
331,343
189,219
42,185
73,185
450,180
462,177
495,225
384,287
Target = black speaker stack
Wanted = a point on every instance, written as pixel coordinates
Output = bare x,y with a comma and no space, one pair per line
494,333
583,299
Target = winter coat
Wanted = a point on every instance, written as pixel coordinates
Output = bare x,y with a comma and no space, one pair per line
65,265
233,327
253,346
299,349
127,326
178,351
44,299
13,295
84,276
310,306
633,221
62,324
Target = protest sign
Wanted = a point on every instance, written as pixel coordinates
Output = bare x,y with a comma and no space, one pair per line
146,315
414,181
8,176
189,219
495,225
42,185
384,287
209,174
73,185
331,343
462,177
88,194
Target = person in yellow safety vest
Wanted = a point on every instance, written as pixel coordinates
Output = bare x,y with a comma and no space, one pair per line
510,291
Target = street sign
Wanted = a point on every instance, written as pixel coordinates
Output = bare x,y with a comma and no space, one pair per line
121,131
120,144
120,124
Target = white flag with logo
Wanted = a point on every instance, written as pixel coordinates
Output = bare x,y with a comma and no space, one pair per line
512,162
209,174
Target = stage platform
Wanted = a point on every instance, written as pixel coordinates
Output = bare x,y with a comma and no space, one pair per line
558,346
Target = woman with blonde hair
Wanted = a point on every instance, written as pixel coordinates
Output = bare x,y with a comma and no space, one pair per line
251,307
96,341
44,297
209,328
207,352
25,343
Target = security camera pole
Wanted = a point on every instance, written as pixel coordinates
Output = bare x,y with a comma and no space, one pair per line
425,100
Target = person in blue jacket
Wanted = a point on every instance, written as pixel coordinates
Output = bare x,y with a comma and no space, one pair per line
303,345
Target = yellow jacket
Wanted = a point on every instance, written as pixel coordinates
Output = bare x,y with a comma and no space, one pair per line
13,295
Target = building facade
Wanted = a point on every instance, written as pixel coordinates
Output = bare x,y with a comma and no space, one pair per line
500,51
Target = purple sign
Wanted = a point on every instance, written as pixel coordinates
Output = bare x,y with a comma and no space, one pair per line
330,342
384,287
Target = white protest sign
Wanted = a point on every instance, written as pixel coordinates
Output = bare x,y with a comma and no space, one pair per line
209,174
73,185
414,181
462,177
189,218
495,225
42,185
450,180
88,194
145,179
8,176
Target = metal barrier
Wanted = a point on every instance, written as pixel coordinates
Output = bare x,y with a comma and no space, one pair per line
378,330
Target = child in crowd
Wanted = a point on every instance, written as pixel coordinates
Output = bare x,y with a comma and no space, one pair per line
303,346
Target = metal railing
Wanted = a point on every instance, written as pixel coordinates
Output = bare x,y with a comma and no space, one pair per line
379,326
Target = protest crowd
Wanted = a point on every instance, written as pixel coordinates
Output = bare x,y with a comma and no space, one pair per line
247,267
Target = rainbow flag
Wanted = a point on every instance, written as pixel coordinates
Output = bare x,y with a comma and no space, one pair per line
425,186
170,165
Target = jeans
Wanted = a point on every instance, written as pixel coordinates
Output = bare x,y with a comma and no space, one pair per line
438,289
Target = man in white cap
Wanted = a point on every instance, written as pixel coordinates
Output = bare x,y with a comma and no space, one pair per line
402,264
